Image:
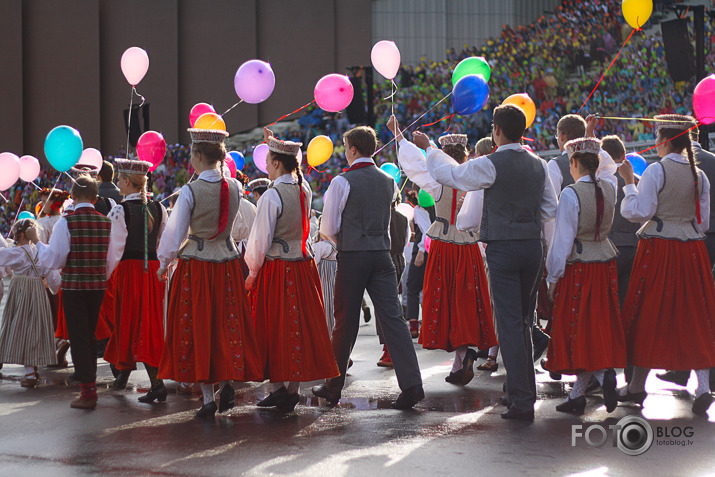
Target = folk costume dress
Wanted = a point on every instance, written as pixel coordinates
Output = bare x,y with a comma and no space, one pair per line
288,300
456,309
586,336
209,336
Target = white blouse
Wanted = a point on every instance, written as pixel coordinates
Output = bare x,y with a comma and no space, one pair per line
243,224
15,259
415,166
324,250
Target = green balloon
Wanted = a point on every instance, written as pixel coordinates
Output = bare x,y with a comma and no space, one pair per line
475,65
424,199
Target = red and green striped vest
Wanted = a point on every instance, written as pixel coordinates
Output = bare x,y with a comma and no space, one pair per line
86,267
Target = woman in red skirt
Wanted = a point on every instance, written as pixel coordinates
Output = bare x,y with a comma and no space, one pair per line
586,337
456,309
210,337
287,297
136,304
669,311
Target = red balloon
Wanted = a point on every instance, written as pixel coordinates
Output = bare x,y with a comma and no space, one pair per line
198,110
231,164
151,147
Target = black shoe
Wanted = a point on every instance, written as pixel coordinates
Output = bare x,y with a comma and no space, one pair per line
552,375
120,382
676,377
574,406
455,377
226,398
610,395
592,385
515,414
481,354
289,402
366,314
207,411
635,398
409,397
701,404
158,394
274,398
540,340
114,370
468,367
504,401
323,392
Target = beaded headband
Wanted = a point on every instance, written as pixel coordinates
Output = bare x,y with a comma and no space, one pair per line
215,136
583,145
459,139
284,147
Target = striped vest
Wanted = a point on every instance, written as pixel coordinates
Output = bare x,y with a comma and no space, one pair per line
86,267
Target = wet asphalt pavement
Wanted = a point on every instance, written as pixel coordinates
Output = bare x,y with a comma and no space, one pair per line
455,430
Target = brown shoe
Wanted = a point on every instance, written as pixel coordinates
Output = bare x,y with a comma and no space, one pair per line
84,403
490,365
414,328
30,380
185,388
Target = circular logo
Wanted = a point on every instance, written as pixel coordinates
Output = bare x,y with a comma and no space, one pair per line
635,435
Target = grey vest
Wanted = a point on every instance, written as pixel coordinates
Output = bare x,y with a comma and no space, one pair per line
288,233
365,223
623,231
443,227
512,205
706,163
566,179
586,248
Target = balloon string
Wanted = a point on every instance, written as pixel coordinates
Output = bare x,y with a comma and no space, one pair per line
289,114
314,169
404,184
413,123
609,67
134,90
49,197
660,144
527,139
35,185
19,209
642,119
178,191
439,120
224,113
129,117
393,88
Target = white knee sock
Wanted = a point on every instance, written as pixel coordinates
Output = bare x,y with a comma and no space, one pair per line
579,387
277,386
703,382
493,351
29,370
208,391
459,355
637,384
599,376
293,387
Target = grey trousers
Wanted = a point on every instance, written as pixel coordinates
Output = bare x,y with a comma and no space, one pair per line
372,271
514,267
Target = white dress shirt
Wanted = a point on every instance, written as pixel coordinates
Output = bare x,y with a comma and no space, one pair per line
423,222
267,212
479,173
243,224
177,227
323,250
469,218
640,203
335,199
413,163
15,258
119,233
408,235
53,256
45,226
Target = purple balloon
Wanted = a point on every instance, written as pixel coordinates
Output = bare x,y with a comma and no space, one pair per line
260,157
254,81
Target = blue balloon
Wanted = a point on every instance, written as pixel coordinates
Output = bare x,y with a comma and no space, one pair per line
393,170
639,164
63,147
469,95
238,159
25,214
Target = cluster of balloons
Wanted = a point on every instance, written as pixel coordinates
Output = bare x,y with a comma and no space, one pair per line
638,162
523,101
704,100
470,91
637,12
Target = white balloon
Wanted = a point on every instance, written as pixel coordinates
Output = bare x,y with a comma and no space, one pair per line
386,58
135,64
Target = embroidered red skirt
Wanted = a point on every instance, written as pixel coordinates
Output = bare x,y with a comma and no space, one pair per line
61,330
290,322
104,327
209,336
587,334
456,309
106,313
138,321
669,311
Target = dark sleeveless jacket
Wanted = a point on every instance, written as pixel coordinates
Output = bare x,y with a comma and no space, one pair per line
134,218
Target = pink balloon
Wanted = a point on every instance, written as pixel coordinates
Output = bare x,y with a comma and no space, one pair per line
386,58
407,210
151,147
428,243
10,167
231,164
260,157
198,110
91,157
300,157
254,81
29,168
704,100
135,64
333,92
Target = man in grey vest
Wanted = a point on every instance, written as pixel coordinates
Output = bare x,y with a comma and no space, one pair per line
518,198
356,216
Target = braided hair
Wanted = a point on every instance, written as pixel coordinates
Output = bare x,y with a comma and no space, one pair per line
680,142
140,182
590,162
215,153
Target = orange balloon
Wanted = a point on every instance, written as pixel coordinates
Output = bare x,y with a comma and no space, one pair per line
320,148
210,121
525,103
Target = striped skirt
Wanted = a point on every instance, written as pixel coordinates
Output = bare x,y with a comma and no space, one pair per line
326,271
26,335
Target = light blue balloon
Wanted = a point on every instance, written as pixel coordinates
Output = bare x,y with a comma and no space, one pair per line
393,170
25,214
63,147
238,159
639,164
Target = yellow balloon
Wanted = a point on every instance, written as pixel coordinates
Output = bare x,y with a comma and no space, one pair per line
210,121
637,12
320,148
525,103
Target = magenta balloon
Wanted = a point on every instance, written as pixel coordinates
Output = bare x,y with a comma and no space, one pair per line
10,167
135,64
151,147
231,164
333,92
254,81
91,157
198,110
29,168
260,157
385,58
704,100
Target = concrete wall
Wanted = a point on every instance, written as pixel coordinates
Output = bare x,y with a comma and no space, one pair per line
61,61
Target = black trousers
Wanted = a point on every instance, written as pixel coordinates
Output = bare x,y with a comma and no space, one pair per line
415,284
398,259
81,309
